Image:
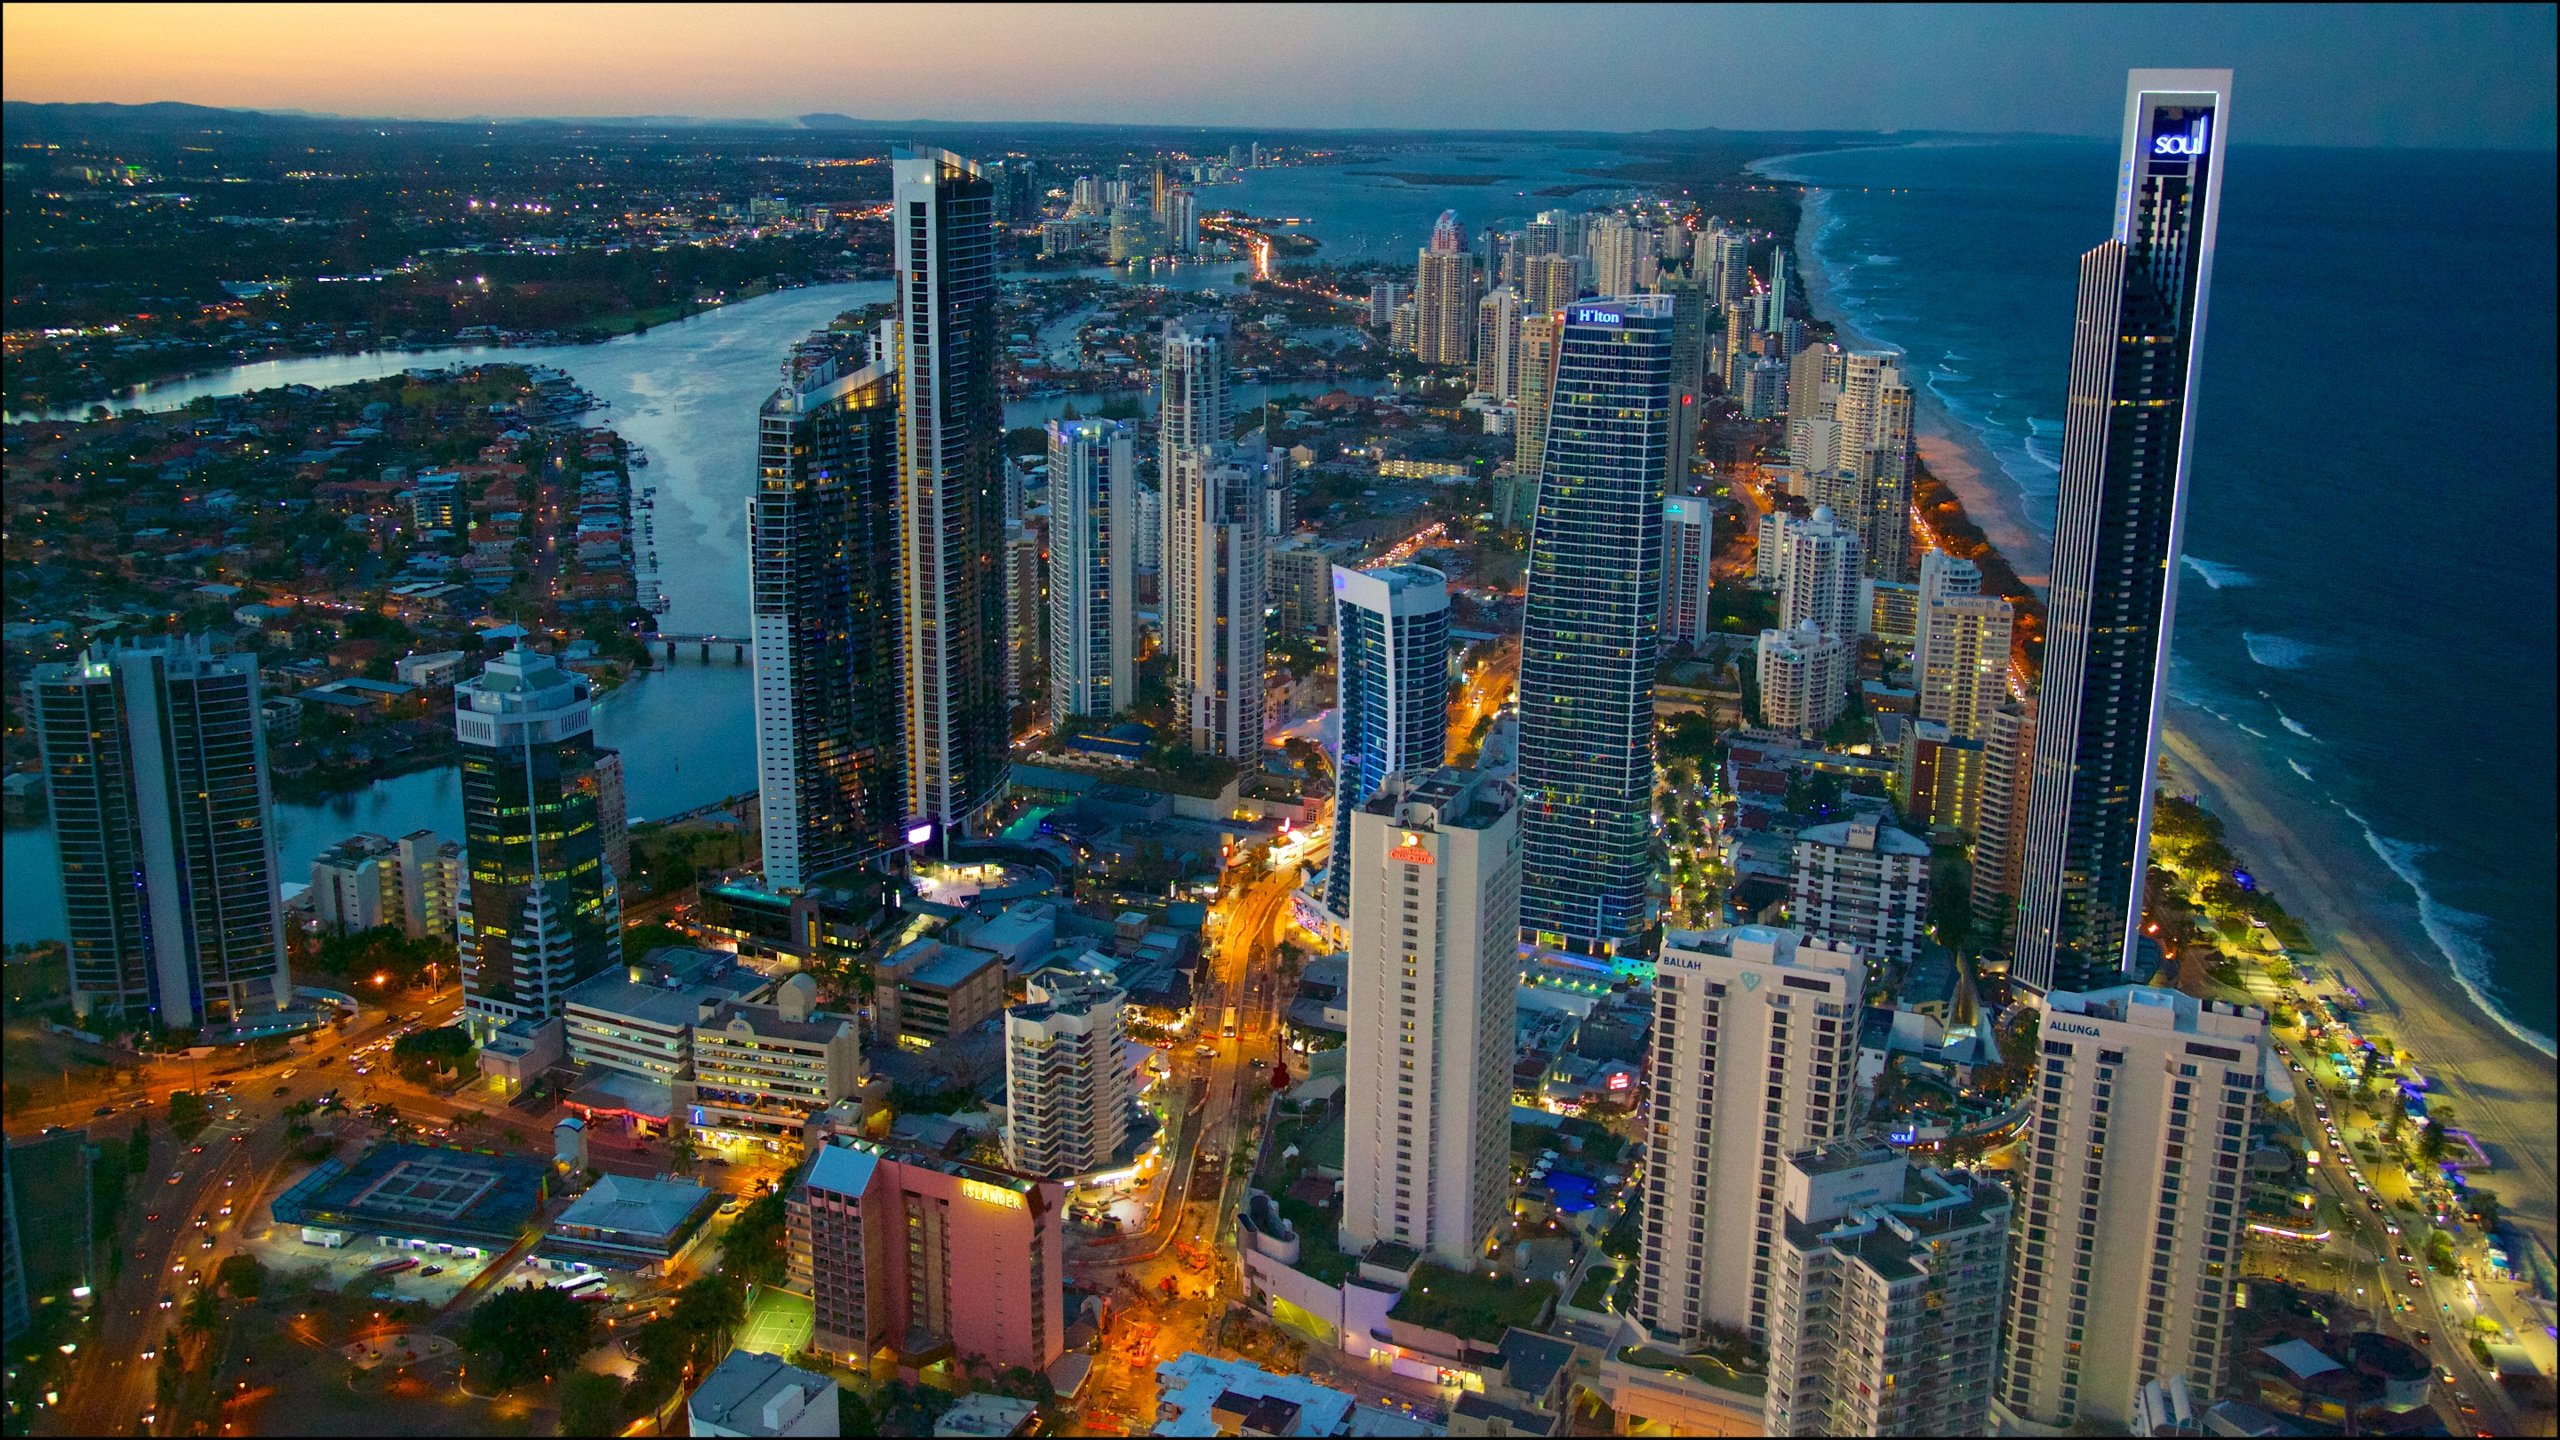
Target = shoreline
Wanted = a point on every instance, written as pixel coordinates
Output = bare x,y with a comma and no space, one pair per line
1946,445
2499,1084
2361,914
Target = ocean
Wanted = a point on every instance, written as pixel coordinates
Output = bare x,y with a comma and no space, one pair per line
2366,607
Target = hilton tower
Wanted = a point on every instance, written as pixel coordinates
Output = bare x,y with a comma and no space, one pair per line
2117,537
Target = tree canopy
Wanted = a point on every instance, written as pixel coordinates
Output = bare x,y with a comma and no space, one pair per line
528,1334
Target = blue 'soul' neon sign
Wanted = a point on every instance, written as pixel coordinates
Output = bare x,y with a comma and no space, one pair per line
2191,142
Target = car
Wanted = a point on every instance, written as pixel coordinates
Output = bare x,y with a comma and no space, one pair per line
237,1140
152,1218
167,1300
226,1208
195,1149
150,1355
206,1244
2373,1203
141,1252
203,1220
2414,1280
102,1110
328,1060
280,1090
177,1176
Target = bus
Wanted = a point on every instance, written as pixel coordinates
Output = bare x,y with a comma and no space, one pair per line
394,1267
1227,1025
584,1287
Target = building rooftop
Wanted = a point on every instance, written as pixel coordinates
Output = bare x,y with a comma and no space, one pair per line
629,1205
422,1191
750,1393
939,965
669,988
984,1414
769,1023
1532,1361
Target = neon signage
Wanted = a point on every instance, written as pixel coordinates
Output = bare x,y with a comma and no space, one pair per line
2192,141
1594,315
1411,851
979,1190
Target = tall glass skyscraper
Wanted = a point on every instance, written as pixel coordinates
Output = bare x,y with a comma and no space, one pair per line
2116,539
1093,569
952,548
1392,674
1594,614
155,767
823,532
540,908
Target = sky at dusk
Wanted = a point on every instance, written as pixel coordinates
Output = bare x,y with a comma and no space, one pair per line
2432,76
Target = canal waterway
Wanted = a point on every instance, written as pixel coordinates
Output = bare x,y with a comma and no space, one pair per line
687,394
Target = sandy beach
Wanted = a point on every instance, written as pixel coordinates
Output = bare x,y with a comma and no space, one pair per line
2500,1088
1950,449
2357,911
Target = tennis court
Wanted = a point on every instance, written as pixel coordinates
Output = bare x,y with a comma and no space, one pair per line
778,1323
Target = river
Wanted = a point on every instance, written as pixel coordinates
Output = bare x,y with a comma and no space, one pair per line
687,393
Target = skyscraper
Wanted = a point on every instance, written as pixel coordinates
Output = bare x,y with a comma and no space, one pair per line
1688,374
2117,537
952,420
1093,576
1885,1312
1444,297
1537,367
1067,1095
1614,243
1812,391
1026,606
1589,640
1773,301
1435,921
1818,576
1688,551
823,564
155,770
929,1258
2000,814
1215,553
1861,885
1804,673
1872,450
2131,1194
1391,628
1548,283
1960,666
1191,412
540,908
1755,1044
1498,344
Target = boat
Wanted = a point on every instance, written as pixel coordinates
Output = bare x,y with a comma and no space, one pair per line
639,456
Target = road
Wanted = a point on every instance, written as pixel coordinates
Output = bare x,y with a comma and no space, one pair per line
235,1161
2365,1258
1220,1121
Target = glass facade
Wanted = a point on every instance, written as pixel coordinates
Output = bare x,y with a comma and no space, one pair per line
824,526
541,908
952,419
1594,615
1392,668
2116,542
156,770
